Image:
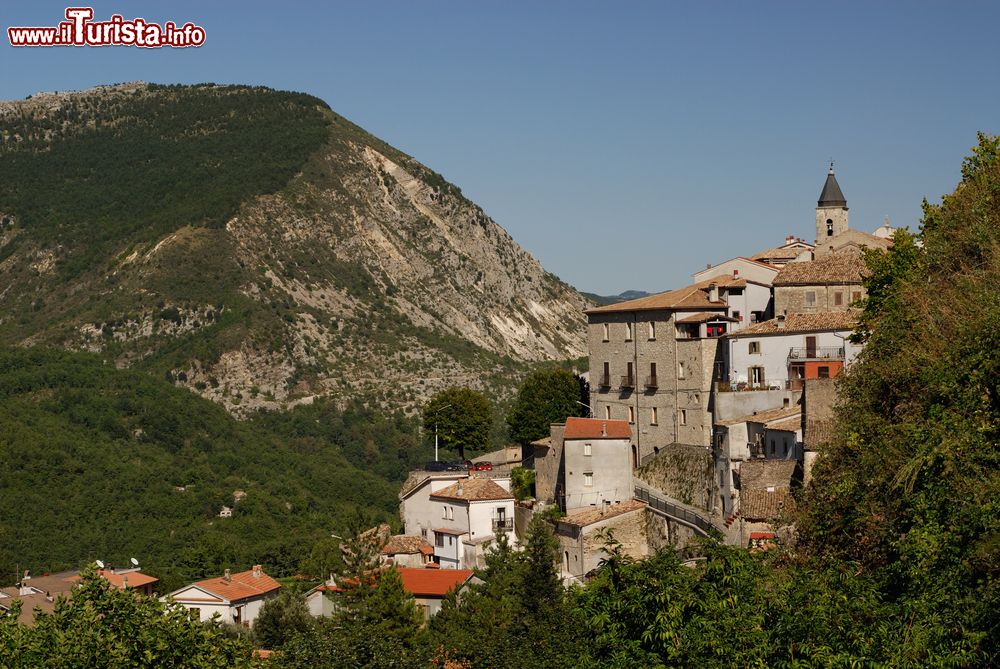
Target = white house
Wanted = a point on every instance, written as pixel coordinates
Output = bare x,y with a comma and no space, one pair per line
467,515
415,506
782,352
598,462
236,598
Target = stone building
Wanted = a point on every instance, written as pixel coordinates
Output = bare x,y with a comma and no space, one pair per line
828,283
653,361
599,458
581,542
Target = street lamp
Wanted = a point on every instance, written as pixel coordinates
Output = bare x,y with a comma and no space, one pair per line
436,412
590,412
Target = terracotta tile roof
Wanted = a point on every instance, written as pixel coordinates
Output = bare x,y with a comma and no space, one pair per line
780,413
597,514
242,585
136,579
705,316
544,442
818,432
454,531
777,253
764,505
763,474
693,296
406,543
788,424
474,490
833,269
432,582
823,321
596,428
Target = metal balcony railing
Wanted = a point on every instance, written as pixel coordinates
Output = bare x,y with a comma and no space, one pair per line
604,381
817,353
628,382
503,524
651,382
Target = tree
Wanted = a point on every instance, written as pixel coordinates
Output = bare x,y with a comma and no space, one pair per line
280,619
102,626
547,396
462,419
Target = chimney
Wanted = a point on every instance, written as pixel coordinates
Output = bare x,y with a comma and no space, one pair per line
713,292
257,571
781,321
604,429
125,582
736,273
461,489
227,576
789,239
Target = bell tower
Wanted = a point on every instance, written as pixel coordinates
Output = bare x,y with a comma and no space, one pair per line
831,210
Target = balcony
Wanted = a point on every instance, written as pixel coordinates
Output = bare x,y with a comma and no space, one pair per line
628,381
651,382
503,524
604,381
816,353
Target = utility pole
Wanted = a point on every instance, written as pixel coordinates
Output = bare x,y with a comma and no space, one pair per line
438,411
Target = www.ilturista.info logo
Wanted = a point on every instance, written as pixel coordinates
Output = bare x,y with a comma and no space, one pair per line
81,30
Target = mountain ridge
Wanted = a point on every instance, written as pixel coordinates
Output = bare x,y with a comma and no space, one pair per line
324,263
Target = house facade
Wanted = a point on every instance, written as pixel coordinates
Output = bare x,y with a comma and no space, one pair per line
599,458
466,518
236,598
581,545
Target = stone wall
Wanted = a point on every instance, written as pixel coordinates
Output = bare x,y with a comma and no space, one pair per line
792,299
684,472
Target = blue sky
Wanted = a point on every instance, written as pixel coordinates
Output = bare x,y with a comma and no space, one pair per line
625,145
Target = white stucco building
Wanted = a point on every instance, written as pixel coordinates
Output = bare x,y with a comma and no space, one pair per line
236,598
598,462
465,518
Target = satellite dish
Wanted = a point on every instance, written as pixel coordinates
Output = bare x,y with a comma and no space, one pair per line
100,565
135,563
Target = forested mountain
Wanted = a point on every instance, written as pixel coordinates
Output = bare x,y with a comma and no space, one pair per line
101,463
259,249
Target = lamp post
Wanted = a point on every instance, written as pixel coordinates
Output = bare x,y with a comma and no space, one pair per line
590,412
439,410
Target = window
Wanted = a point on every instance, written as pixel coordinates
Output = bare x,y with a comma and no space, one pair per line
684,417
810,298
653,419
680,370
855,296
588,479
756,376
606,381
829,227
444,512
451,513
753,347
607,412
628,332
607,332
451,540
652,330
587,449
439,539
631,414
824,372
838,299
738,316
772,447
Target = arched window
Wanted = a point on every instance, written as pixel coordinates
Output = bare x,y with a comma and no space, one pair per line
829,227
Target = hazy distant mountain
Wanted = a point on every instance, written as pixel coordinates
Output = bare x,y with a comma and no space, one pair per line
613,299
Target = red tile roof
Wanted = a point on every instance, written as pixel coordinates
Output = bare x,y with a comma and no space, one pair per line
406,543
596,428
136,579
242,585
432,582
695,295
597,514
821,321
834,269
474,490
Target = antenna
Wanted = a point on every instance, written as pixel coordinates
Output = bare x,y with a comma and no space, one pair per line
100,565
135,563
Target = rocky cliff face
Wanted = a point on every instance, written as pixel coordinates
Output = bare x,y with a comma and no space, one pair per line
363,274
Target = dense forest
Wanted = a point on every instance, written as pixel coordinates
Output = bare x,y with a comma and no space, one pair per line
101,463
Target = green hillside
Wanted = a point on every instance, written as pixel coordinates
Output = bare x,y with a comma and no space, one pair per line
91,459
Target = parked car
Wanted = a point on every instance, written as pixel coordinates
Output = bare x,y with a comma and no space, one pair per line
436,466
484,466
457,466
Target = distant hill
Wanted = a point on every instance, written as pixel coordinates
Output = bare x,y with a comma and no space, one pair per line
101,463
257,248
614,299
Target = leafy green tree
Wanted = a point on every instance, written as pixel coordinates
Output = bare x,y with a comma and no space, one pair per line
462,419
547,396
102,626
280,619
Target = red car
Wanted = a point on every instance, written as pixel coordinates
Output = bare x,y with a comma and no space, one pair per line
484,466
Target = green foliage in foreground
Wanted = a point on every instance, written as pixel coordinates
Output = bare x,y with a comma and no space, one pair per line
92,459
105,627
